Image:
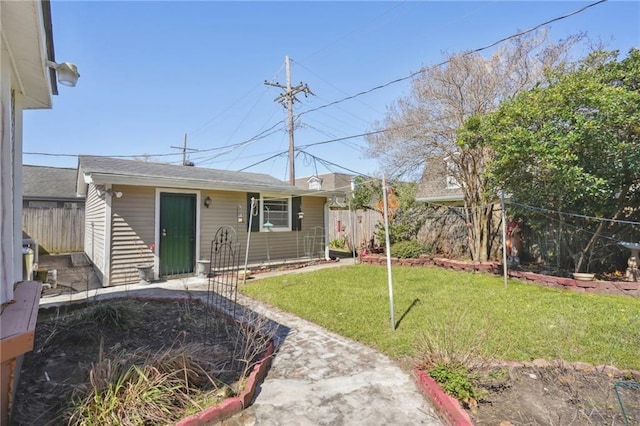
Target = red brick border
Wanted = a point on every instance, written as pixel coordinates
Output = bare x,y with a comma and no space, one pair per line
452,413
447,406
623,288
229,406
236,404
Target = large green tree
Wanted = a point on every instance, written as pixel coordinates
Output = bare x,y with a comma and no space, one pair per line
572,145
423,126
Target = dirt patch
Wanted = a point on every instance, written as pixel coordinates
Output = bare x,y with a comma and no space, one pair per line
556,396
68,341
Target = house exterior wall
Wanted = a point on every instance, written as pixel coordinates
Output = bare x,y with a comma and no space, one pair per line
94,230
10,182
132,232
265,247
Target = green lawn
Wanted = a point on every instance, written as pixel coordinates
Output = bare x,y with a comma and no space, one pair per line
522,322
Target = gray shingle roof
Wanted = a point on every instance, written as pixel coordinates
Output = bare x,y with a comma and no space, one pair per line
197,175
330,181
48,182
433,185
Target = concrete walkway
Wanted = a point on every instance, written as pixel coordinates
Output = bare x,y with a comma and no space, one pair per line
317,377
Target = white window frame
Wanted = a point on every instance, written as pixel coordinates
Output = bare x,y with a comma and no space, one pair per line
263,215
451,181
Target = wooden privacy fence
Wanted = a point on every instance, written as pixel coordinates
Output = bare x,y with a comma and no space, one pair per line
358,226
58,230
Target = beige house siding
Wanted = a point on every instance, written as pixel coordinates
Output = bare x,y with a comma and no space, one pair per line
94,226
223,211
132,232
266,247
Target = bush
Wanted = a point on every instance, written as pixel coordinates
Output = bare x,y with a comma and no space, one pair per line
407,249
338,243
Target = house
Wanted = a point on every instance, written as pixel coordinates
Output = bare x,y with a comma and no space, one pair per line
167,216
52,213
50,187
344,225
445,231
438,184
27,81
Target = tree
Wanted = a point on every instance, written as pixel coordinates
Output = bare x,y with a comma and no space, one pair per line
573,145
406,216
425,125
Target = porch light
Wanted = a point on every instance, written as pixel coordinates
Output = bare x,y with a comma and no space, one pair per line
239,214
268,225
300,215
67,73
207,202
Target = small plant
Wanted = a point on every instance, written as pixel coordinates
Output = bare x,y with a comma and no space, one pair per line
119,315
407,249
456,381
338,243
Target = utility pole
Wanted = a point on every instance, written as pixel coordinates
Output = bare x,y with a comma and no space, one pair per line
286,99
184,151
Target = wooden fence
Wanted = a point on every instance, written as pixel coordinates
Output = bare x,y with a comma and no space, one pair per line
358,226
57,230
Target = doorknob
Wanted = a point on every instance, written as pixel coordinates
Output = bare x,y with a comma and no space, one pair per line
164,232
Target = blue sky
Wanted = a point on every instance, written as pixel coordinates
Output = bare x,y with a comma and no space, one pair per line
153,71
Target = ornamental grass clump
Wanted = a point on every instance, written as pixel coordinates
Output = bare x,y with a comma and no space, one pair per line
144,388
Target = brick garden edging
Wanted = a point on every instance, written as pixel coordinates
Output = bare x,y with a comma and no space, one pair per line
452,413
229,406
625,288
236,404
449,409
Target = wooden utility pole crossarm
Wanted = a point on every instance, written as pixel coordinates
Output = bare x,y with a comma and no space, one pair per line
286,99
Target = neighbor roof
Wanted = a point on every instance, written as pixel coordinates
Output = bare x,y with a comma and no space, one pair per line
433,185
104,170
40,182
330,181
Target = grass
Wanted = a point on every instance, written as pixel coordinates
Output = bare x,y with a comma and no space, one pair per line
522,322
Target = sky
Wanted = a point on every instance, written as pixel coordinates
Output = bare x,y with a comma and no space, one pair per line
151,72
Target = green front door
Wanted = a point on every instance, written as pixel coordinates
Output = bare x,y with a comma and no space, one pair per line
177,233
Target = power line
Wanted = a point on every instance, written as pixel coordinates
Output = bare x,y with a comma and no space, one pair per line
468,53
581,216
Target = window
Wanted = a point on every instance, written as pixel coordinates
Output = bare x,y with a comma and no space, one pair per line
315,183
281,212
451,168
276,212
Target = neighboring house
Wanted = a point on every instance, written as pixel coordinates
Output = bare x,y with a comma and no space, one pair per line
26,82
53,214
166,215
445,232
438,184
343,224
50,187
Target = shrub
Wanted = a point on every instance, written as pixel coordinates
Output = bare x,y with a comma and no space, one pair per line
407,249
338,243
